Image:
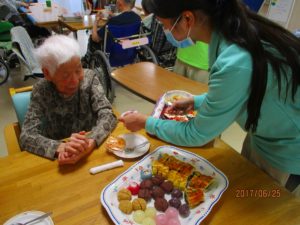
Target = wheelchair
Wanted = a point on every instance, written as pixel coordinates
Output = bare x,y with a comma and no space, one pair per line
7,57
165,51
23,47
6,54
16,47
6,61
122,45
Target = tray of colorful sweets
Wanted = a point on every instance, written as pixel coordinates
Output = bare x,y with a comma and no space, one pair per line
169,186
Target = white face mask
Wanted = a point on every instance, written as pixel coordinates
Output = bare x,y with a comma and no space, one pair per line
187,42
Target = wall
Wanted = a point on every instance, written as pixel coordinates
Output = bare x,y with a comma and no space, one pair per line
294,22
295,18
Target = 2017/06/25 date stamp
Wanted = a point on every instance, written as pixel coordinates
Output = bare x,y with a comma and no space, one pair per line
257,193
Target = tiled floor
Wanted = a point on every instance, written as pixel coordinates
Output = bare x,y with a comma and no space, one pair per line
124,101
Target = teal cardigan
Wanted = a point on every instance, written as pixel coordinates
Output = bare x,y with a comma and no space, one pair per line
277,138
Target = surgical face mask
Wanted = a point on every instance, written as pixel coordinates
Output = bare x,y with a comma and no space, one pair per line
179,44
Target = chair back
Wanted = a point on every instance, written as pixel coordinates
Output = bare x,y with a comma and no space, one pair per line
117,55
254,5
159,44
5,28
21,99
23,47
4,12
164,50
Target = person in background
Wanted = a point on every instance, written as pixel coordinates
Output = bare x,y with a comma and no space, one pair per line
164,51
15,18
89,5
254,80
192,62
92,4
67,103
125,17
14,5
147,20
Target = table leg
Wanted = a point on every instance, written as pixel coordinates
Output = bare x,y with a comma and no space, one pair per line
75,35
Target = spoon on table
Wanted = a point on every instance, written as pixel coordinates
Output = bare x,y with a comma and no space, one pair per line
35,219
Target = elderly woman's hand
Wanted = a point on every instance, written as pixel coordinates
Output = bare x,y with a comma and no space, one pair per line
69,158
77,143
134,121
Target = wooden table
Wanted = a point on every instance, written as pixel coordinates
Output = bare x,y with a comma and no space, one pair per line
84,24
29,182
45,17
51,17
151,81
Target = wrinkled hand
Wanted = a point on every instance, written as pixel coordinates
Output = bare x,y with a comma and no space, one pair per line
75,149
134,121
181,106
77,143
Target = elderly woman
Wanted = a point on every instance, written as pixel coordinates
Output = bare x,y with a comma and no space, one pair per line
68,102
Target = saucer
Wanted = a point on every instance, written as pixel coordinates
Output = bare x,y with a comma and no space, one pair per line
133,139
30,215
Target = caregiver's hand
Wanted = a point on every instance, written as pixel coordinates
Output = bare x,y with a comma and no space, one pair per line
134,121
181,106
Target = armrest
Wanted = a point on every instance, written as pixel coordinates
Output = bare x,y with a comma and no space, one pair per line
11,134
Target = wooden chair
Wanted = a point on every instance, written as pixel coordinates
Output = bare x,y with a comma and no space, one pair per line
21,99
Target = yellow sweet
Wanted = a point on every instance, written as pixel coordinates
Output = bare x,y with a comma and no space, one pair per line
125,206
159,168
139,204
138,216
124,194
150,212
148,221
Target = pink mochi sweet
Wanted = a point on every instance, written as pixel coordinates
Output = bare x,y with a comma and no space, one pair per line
172,212
161,219
173,221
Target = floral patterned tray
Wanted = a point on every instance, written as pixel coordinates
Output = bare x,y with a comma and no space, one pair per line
109,199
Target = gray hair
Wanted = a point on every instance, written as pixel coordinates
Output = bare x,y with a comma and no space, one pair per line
56,50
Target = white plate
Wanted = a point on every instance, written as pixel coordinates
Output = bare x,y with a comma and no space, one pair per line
160,104
133,139
30,215
168,96
109,199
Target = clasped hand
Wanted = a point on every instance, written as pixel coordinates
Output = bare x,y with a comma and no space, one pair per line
75,148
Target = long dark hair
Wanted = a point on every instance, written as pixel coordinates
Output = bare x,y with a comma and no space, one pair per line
250,31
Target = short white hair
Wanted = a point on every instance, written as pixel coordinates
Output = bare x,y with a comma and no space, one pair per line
56,50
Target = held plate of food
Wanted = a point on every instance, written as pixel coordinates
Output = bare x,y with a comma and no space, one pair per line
163,105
